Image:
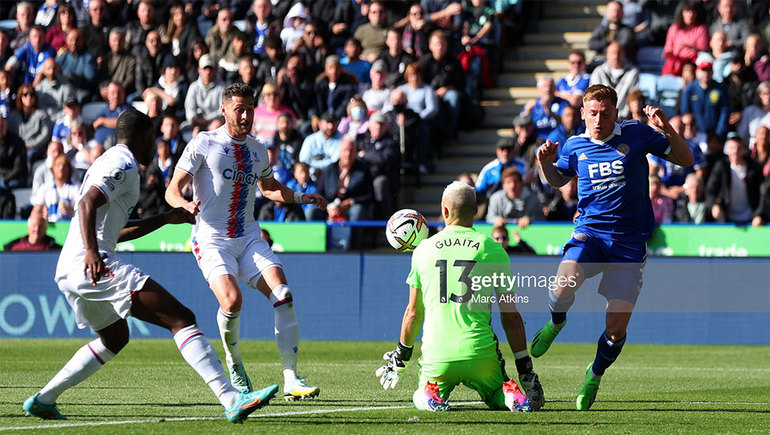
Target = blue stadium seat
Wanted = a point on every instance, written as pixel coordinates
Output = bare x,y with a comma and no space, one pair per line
648,84
669,88
648,59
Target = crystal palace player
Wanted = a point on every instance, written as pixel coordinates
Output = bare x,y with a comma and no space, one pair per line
452,285
615,218
103,290
226,166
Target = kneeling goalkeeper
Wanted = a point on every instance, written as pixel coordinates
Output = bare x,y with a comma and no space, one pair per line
450,297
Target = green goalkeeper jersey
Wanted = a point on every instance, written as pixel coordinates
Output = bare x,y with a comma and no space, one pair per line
460,273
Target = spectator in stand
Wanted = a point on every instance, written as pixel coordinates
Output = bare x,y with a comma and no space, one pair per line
353,63
171,88
287,138
762,212
297,89
514,201
382,154
13,158
228,65
737,29
260,25
741,86
267,70
220,36
294,25
347,185
106,120
478,25
636,15
394,58
685,38
732,190
204,97
764,29
179,34
527,141
662,206
444,14
321,148
618,73
708,101
81,149
690,207
118,66
421,98
154,106
5,48
30,123
563,205
500,235
406,127
56,201
95,31
36,238
7,95
303,184
570,126
610,30
150,60
488,181
572,86
376,94
371,34
312,49
169,130
247,72
753,115
636,104
266,114
197,51
760,152
281,172
25,18
755,57
28,59
446,78
41,172
673,176
720,56
65,21
61,127
546,109
357,120
416,32
348,16
333,90
137,29
52,92
78,66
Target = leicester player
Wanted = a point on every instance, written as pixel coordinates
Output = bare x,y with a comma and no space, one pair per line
615,218
455,278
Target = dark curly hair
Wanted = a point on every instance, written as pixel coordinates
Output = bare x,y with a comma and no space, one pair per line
238,90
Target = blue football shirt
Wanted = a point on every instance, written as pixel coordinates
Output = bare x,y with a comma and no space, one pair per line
613,185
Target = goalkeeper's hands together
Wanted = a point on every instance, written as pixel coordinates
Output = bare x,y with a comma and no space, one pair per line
396,362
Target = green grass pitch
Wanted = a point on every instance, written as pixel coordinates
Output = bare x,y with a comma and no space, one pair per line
148,388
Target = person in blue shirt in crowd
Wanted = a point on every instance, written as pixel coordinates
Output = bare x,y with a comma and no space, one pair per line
570,125
708,101
615,218
29,58
546,109
488,181
572,86
303,184
673,176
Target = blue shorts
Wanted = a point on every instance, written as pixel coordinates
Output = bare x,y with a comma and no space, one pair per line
621,264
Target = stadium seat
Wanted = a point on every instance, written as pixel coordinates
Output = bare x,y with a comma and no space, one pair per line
649,59
8,24
23,199
90,110
648,84
668,89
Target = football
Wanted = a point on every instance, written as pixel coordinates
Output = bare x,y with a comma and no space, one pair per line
406,229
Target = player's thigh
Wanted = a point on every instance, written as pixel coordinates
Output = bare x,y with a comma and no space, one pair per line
260,267
99,306
216,256
579,261
154,304
486,376
447,375
622,275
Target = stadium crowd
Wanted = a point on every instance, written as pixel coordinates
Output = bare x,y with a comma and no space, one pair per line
352,94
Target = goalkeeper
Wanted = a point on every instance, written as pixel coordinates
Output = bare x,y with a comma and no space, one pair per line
448,296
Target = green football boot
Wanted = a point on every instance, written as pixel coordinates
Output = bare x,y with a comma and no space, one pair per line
544,338
587,394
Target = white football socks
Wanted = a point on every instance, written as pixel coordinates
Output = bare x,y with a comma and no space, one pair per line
86,361
230,331
286,331
199,353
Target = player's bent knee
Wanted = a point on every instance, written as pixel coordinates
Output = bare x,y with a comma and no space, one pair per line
569,278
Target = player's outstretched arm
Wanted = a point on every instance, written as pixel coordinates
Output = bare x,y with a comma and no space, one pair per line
174,196
680,153
87,206
138,228
546,155
274,190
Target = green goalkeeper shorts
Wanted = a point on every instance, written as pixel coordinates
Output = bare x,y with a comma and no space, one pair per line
485,375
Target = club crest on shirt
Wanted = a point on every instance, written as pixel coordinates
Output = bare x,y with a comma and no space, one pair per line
118,176
226,150
256,156
714,96
622,149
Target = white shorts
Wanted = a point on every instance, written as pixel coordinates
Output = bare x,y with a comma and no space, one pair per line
110,300
244,257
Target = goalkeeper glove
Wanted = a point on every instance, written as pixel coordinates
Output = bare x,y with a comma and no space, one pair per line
396,362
